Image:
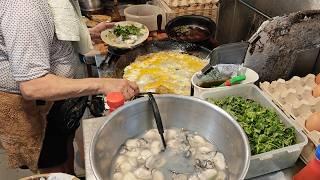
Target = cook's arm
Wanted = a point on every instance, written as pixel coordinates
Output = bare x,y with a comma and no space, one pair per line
28,32
51,87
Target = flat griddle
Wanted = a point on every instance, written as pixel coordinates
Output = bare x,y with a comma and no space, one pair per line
117,60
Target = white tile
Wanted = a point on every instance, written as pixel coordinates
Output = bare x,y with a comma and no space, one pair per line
7,173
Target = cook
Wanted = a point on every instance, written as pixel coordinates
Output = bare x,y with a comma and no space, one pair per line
43,92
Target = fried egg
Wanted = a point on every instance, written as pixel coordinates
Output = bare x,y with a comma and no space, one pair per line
164,72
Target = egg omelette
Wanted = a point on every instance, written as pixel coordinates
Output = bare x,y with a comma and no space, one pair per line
165,72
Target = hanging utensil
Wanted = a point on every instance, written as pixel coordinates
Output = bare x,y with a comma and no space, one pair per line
157,118
115,14
159,22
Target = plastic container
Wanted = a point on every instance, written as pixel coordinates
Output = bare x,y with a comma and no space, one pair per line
114,100
312,170
271,161
145,14
251,77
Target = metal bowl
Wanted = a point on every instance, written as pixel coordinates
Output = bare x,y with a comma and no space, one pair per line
136,117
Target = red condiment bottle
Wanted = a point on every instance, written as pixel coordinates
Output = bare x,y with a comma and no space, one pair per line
114,100
312,170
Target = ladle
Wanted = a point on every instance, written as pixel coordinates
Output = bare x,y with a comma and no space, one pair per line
157,118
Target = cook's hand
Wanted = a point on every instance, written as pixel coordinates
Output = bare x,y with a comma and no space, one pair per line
95,31
127,88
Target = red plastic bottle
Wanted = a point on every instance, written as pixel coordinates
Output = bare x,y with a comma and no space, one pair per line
312,170
114,100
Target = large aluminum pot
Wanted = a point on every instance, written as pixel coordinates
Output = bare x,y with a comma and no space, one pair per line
90,5
136,117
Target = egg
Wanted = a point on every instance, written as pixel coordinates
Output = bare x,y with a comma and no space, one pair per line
313,122
316,91
164,72
318,79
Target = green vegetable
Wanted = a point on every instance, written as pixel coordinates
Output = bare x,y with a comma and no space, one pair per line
263,127
126,31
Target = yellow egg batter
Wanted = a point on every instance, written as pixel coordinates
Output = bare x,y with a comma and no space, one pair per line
164,72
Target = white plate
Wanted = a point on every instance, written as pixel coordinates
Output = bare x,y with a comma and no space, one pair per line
105,35
251,77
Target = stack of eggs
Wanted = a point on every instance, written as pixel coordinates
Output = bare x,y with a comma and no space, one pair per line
299,98
313,122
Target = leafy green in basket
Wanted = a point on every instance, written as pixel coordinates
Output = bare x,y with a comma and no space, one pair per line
263,127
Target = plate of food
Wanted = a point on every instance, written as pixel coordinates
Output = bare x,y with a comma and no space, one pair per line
125,35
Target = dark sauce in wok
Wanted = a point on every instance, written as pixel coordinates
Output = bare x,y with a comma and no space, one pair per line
190,33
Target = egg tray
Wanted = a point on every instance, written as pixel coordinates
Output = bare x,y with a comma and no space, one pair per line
209,10
295,98
188,3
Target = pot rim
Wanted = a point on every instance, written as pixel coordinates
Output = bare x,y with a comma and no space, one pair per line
145,99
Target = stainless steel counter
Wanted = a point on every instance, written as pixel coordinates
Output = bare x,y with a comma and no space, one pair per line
90,126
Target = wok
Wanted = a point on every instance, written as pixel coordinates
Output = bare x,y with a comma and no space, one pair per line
202,22
117,60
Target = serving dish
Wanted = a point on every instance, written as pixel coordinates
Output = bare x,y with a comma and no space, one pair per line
109,37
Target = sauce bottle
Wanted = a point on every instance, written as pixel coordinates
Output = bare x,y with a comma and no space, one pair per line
312,170
114,100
